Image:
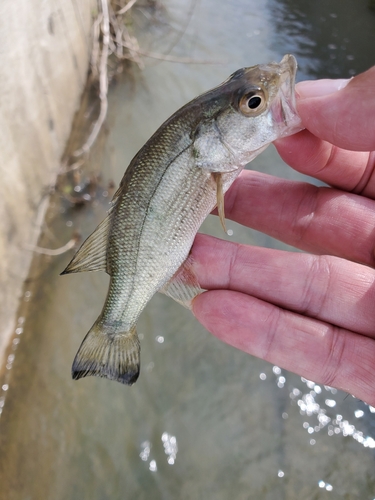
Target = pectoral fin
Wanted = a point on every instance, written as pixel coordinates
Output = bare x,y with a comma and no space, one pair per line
183,286
218,178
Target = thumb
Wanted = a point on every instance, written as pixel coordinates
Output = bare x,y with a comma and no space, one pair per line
341,112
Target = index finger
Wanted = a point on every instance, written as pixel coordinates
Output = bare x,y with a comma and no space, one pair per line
340,132
341,112
349,170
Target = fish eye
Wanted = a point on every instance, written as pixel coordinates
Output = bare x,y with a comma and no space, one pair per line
252,104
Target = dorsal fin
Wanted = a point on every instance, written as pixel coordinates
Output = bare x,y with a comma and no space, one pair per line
92,256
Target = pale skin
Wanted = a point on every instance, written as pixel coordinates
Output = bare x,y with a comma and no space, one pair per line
311,313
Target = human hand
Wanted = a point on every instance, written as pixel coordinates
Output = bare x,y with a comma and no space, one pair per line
310,313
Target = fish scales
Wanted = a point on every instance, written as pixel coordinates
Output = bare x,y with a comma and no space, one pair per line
169,188
157,212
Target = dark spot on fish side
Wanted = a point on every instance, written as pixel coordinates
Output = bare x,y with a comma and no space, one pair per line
195,152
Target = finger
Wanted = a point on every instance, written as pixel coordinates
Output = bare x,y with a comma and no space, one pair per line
313,349
330,289
345,117
317,219
339,115
348,170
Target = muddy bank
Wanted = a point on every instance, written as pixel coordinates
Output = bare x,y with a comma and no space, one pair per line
44,49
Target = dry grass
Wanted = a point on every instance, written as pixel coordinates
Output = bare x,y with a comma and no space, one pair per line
113,43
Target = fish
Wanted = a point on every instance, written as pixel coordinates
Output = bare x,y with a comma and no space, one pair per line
176,179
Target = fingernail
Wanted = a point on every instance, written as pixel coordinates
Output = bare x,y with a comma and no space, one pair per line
319,88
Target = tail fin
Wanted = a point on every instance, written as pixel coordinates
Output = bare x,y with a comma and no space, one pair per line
108,355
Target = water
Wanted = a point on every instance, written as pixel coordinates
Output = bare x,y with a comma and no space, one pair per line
204,420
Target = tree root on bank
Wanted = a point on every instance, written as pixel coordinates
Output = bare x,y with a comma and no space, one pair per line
72,243
112,39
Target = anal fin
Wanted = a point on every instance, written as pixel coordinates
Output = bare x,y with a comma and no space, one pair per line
183,286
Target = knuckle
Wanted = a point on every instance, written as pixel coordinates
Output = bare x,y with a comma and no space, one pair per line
273,323
366,184
317,286
305,212
333,363
232,265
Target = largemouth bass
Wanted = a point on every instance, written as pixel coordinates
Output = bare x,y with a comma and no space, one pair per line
169,188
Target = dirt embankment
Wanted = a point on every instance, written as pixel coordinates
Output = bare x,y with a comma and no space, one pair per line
44,51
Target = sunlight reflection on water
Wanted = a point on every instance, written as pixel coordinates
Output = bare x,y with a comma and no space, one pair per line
314,403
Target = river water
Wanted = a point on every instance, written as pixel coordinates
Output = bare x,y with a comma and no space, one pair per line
204,421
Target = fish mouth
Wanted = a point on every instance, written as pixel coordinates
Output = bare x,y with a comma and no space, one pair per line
283,107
